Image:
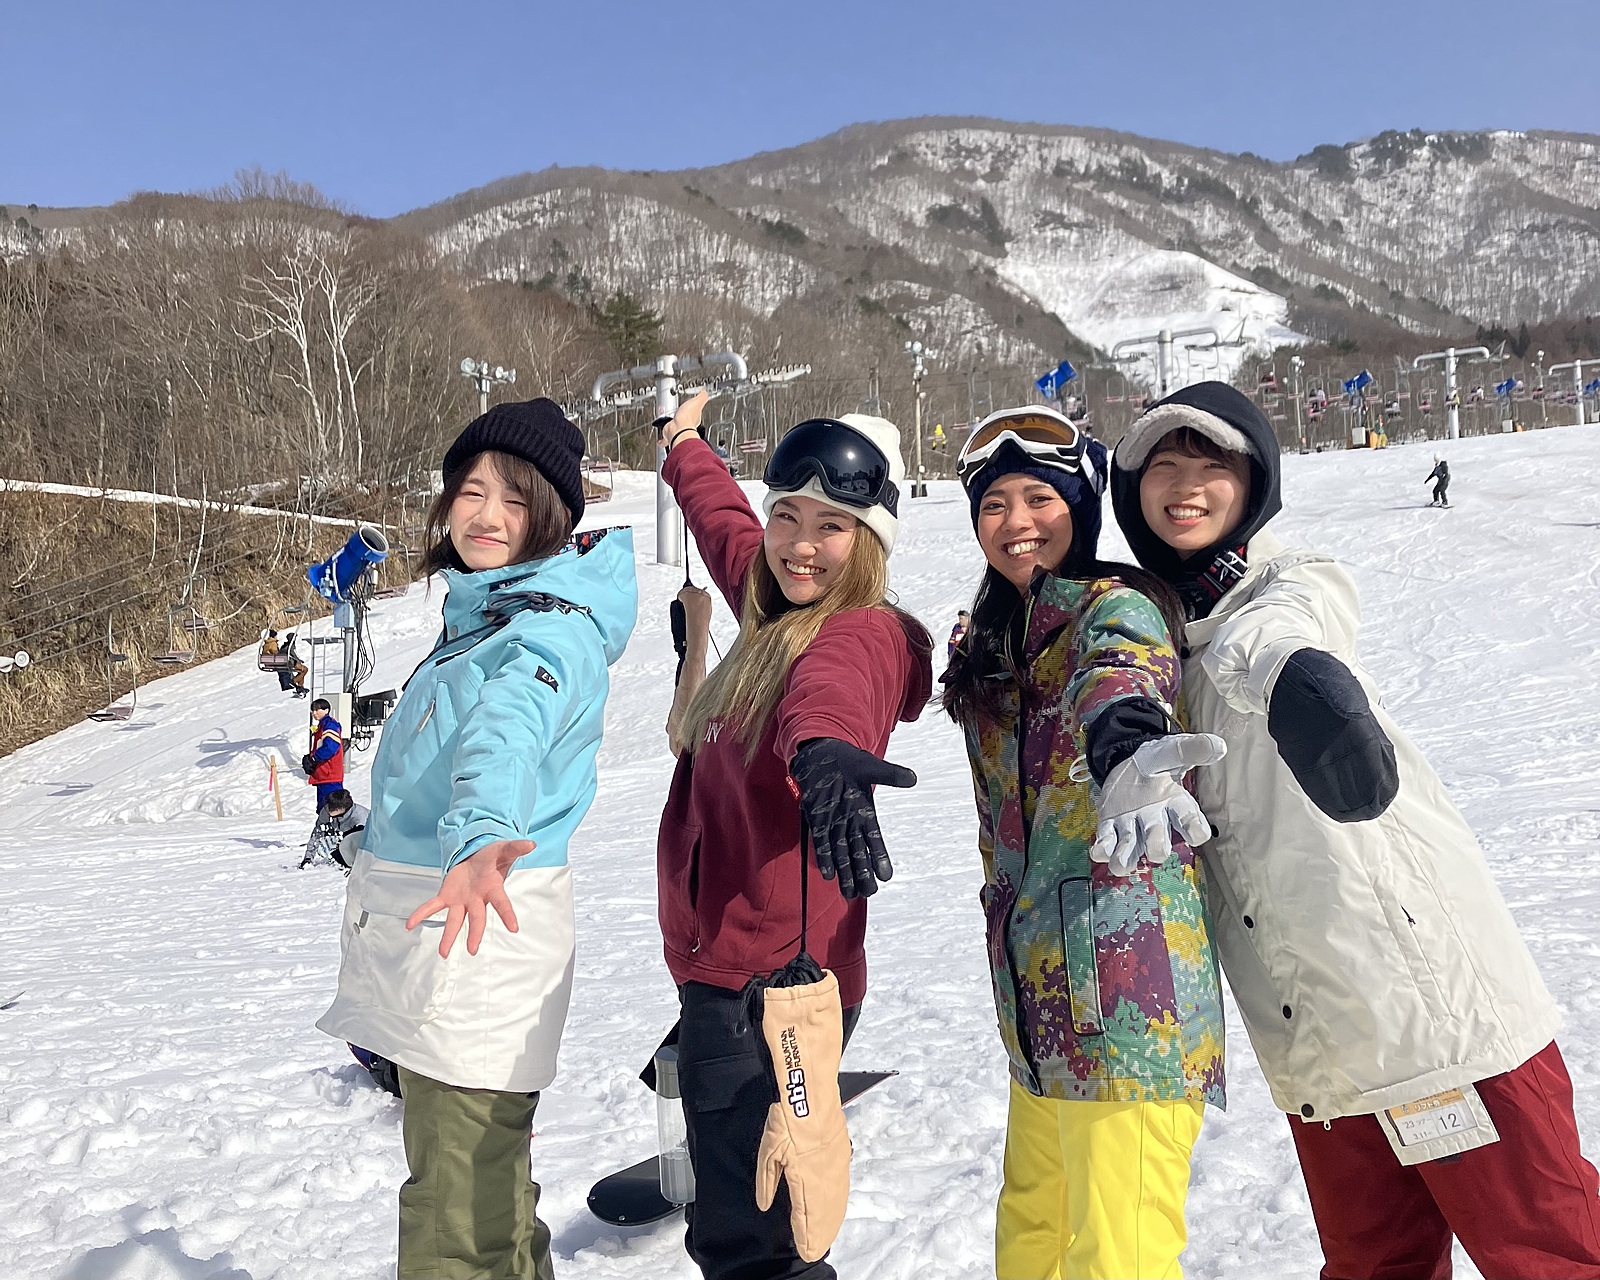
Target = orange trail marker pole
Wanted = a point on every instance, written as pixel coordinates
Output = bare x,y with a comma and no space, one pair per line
272,785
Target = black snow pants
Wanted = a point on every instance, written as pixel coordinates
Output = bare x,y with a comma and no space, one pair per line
1439,488
727,1081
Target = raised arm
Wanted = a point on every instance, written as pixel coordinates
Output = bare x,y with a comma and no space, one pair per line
725,527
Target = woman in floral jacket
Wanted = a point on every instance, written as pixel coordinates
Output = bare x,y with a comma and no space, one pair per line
1104,978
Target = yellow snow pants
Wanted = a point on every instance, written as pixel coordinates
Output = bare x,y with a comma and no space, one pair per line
1094,1190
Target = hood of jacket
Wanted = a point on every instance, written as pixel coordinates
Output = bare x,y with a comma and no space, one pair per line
594,573
1225,415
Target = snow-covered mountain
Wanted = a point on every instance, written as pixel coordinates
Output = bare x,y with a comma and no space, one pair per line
981,232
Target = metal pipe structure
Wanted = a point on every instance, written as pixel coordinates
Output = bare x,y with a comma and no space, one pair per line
1162,341
484,377
665,373
1450,356
1577,382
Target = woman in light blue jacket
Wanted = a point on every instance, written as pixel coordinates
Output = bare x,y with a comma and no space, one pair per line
484,772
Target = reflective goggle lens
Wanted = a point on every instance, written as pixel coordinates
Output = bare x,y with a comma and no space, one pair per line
850,468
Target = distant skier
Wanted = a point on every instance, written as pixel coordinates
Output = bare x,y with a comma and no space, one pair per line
1440,479
958,633
336,837
324,763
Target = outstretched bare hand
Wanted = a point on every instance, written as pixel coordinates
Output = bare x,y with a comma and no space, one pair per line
471,886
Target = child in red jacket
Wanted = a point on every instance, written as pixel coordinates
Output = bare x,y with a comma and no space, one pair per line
823,668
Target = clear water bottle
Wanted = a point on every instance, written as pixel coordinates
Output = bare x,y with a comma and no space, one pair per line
672,1137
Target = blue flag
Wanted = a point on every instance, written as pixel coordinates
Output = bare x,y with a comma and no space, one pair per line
1504,389
1051,383
1352,386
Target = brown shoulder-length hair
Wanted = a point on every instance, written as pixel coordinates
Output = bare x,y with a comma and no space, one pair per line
989,661
549,519
746,686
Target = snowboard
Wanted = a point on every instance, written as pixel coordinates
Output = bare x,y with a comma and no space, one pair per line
10,1002
632,1198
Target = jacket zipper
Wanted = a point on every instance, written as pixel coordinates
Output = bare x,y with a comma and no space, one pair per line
1024,1043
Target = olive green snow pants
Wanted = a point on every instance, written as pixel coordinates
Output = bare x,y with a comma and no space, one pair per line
468,1211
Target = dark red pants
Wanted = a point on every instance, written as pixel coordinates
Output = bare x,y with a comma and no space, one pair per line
1524,1208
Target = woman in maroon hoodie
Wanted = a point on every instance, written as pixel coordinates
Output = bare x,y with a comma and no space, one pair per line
823,668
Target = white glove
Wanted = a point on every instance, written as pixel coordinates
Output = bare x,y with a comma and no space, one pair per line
1143,798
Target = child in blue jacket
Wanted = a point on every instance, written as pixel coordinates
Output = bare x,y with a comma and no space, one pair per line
484,772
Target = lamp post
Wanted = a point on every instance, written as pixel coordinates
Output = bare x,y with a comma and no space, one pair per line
485,377
919,483
1296,368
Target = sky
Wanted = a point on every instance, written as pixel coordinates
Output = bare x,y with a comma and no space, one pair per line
389,106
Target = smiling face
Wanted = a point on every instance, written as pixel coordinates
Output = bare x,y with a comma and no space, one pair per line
807,543
488,519
1023,525
1191,502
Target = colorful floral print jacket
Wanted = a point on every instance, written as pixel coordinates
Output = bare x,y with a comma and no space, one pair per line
1106,987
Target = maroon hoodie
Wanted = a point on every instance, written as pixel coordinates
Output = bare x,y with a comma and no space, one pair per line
728,856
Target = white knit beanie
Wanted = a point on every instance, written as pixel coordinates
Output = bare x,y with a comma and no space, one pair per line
886,437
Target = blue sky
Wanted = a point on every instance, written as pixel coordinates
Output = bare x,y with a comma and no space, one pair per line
394,105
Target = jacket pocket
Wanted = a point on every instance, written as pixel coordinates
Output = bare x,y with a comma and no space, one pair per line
678,871
720,1084
396,971
1077,937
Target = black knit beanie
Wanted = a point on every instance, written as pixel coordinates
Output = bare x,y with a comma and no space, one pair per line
534,430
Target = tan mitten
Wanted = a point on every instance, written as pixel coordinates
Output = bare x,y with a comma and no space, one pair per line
805,1139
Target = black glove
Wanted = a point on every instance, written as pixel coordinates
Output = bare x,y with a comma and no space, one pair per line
835,781
307,764
1327,735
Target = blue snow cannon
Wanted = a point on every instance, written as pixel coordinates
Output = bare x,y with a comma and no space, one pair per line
337,576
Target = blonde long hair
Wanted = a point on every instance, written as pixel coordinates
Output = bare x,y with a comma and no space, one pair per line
747,685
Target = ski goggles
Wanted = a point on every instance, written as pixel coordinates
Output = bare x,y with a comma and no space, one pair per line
849,467
1042,438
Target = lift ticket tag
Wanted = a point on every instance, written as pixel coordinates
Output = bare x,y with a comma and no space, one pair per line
1442,1124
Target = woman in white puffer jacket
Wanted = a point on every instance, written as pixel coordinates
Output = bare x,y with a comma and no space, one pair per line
1394,1008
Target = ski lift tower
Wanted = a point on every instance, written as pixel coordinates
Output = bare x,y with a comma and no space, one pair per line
1162,341
1450,356
665,373
485,378
1577,382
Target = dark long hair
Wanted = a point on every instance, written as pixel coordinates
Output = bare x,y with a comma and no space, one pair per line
989,660
549,518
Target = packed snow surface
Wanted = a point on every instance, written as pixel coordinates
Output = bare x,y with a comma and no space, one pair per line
169,1112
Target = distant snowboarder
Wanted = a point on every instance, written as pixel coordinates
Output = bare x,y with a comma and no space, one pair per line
1440,478
336,837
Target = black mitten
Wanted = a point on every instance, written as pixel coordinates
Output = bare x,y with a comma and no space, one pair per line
307,764
835,781
1327,735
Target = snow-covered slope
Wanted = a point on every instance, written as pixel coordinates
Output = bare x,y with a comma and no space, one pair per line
168,1112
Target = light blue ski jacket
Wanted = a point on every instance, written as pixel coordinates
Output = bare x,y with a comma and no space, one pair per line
496,734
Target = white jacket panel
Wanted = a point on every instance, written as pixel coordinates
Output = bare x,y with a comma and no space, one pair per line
1374,963
489,1021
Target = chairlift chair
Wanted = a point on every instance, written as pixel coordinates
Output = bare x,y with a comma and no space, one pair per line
114,710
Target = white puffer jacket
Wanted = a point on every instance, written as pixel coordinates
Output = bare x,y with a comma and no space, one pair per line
1374,962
